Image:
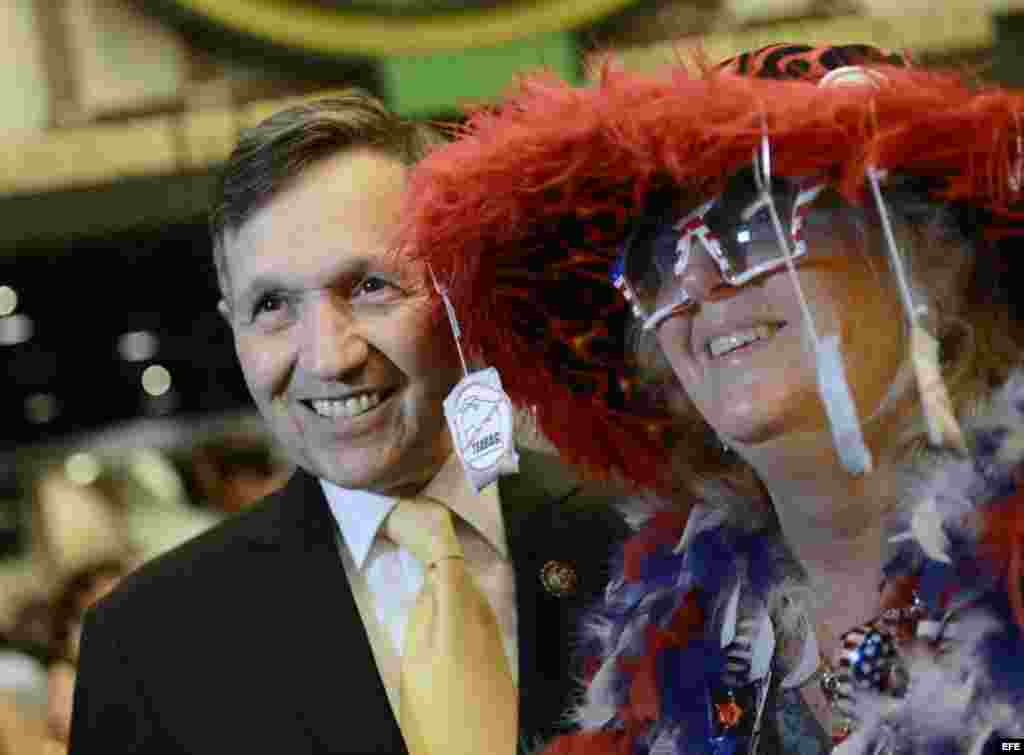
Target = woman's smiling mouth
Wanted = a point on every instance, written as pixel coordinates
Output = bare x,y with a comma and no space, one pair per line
719,346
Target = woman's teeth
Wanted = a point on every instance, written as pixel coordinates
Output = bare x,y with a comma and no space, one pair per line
349,407
725,344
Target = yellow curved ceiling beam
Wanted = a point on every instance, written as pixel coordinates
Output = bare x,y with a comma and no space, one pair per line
322,30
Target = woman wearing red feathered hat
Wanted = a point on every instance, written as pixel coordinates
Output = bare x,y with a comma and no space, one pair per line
812,335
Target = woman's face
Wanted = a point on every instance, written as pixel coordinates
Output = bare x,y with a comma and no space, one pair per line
767,389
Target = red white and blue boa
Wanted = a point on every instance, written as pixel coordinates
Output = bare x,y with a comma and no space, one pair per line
686,586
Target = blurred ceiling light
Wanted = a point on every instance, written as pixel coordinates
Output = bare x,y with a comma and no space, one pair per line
138,346
41,408
8,300
156,380
82,468
15,329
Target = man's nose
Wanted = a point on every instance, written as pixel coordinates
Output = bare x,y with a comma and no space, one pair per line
334,344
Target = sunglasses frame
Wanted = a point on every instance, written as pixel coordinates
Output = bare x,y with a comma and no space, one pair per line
692,227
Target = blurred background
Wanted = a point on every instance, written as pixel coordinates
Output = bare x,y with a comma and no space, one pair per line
125,426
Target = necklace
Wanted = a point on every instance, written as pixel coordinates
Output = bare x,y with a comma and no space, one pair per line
830,682
868,660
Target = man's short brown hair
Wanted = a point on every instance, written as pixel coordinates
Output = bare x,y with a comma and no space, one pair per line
270,156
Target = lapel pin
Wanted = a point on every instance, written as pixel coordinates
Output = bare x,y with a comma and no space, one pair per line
558,578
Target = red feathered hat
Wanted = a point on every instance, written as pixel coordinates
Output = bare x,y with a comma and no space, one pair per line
521,217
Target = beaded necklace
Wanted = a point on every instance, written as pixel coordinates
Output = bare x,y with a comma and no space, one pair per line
868,660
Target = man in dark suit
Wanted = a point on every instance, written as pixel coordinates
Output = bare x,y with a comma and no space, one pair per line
281,631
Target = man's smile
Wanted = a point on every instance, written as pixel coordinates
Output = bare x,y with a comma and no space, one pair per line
349,405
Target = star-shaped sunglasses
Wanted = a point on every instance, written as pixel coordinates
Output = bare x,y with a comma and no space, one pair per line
734,229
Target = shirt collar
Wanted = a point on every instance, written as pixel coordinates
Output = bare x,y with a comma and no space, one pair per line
360,514
482,511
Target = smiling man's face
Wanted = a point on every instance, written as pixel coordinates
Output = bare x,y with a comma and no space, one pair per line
334,334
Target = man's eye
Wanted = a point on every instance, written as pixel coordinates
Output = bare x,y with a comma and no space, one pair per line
267,304
373,285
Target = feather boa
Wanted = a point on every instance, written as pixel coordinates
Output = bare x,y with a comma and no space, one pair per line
961,542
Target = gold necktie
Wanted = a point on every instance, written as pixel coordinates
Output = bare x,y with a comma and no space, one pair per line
457,693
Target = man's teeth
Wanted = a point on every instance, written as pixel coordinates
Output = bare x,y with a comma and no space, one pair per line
349,407
724,344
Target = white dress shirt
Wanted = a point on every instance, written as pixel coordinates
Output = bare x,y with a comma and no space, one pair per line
386,578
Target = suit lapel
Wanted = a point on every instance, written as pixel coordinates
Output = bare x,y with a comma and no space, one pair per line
546,520
522,498
324,656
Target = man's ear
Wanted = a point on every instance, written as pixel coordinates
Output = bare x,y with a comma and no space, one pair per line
225,310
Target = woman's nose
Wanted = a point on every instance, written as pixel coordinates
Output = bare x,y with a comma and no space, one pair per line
700,277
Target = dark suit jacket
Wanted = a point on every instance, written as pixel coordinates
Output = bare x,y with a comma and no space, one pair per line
247,639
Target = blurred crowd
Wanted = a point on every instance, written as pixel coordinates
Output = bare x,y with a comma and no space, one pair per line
86,521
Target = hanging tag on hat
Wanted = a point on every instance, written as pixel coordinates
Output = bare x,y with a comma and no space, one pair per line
479,415
833,388
1015,176
936,405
